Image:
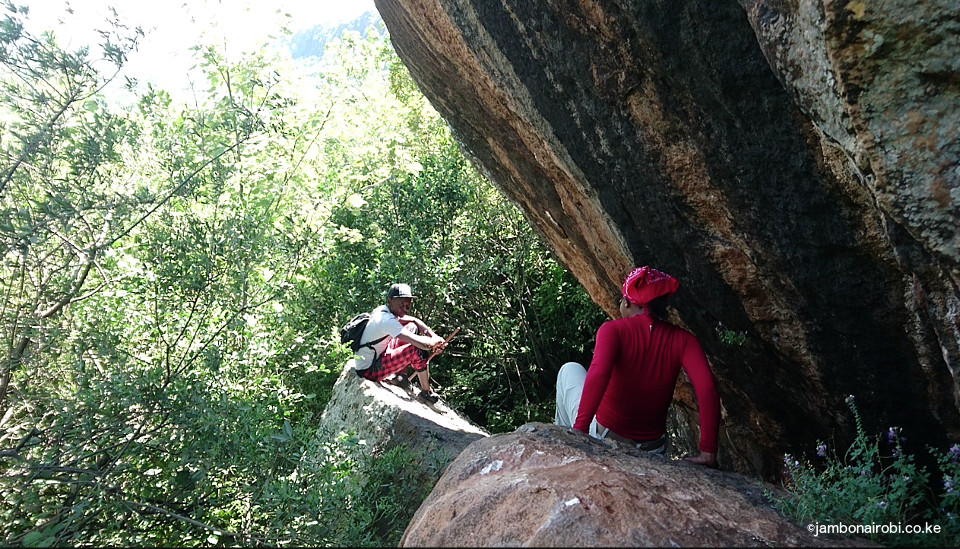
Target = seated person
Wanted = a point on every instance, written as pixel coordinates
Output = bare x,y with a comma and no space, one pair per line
398,341
626,393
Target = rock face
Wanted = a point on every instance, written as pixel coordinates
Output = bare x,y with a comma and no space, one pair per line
794,164
386,416
548,486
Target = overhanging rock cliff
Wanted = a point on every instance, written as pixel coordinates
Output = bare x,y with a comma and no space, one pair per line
794,164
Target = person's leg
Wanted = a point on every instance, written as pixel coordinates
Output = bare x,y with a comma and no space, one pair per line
570,380
417,361
397,360
423,376
420,369
379,372
397,357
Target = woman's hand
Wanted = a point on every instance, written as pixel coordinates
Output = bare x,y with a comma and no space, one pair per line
707,459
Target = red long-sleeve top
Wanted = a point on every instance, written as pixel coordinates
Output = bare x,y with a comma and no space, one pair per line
630,382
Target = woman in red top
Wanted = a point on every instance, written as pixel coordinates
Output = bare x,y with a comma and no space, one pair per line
627,391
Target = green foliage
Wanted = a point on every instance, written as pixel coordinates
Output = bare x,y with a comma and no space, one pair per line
341,495
728,336
883,495
412,209
173,277
60,208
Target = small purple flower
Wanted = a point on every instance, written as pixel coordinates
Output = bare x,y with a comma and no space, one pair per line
948,483
822,450
849,399
892,435
955,452
882,504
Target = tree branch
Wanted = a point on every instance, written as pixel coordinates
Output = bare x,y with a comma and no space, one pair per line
78,281
171,194
32,146
188,520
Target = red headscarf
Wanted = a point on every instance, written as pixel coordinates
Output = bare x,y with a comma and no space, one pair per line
645,284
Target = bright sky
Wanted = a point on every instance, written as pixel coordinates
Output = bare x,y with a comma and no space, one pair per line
173,26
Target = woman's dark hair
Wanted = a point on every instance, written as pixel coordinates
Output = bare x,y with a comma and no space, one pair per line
658,307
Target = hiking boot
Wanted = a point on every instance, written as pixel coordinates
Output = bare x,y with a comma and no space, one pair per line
428,397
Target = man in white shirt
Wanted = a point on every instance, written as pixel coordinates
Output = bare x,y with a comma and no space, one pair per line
397,341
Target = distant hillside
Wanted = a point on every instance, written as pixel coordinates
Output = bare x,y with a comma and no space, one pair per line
311,42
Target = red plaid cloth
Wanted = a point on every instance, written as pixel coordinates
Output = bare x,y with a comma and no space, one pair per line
395,359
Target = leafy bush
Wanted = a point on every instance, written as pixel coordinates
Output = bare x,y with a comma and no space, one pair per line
879,496
341,495
204,460
173,277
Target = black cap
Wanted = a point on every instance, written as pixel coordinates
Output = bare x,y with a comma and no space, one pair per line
399,290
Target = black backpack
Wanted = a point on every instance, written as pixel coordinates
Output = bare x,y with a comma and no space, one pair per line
352,331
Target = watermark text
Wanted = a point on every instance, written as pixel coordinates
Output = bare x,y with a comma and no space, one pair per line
817,528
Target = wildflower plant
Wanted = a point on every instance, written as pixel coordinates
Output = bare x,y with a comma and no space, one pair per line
949,500
864,487
730,337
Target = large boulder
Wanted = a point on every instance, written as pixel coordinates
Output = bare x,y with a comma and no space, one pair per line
549,486
795,164
385,416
